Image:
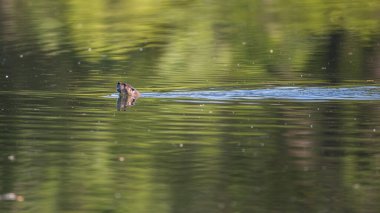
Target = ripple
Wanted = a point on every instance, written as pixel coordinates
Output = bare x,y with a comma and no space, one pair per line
288,93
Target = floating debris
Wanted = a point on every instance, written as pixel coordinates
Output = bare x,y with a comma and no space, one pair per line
11,197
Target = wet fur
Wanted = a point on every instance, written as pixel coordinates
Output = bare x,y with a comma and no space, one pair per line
124,88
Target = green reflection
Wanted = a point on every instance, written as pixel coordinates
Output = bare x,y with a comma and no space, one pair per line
66,148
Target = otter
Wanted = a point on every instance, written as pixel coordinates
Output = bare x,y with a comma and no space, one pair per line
124,88
127,96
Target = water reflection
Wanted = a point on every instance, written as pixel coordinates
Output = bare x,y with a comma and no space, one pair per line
125,101
64,147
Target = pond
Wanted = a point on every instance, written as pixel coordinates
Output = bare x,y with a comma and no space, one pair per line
246,106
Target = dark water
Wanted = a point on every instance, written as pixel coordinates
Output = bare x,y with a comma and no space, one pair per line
247,106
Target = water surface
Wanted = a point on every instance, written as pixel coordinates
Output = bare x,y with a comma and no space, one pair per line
248,106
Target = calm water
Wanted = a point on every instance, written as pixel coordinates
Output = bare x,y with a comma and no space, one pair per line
247,106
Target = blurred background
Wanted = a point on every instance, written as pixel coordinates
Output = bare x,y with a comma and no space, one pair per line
65,147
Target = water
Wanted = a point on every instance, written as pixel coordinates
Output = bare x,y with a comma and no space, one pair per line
292,93
250,106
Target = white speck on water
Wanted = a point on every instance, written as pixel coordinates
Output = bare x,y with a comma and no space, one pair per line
181,145
323,68
350,53
117,195
121,158
210,112
309,115
89,49
11,157
244,43
271,51
262,144
141,49
6,76
356,186
374,130
21,56
78,62
251,126
311,125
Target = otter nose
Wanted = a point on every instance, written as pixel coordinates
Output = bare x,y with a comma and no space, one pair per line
118,89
